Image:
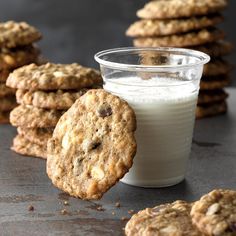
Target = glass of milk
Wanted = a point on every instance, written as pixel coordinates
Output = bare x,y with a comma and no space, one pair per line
161,85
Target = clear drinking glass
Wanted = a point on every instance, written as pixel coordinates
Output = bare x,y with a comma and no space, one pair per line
161,85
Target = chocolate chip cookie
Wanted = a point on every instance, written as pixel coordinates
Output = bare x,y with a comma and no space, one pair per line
33,117
168,219
215,213
13,34
93,145
53,76
162,9
59,100
181,40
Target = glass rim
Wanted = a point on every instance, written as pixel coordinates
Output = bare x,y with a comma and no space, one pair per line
203,58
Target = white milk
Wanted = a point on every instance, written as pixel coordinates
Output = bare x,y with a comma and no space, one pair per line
165,119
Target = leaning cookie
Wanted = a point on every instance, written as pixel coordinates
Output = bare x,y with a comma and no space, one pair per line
150,28
25,147
53,76
168,219
15,34
93,145
39,136
215,213
212,109
181,40
33,117
163,9
59,100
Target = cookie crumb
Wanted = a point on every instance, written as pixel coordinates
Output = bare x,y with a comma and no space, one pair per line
117,204
124,218
31,208
66,203
99,208
113,213
131,212
64,212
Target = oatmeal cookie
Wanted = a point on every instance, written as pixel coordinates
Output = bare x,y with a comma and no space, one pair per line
93,145
181,40
217,49
13,34
217,67
215,213
33,117
17,57
53,76
150,28
214,82
39,136
25,147
59,100
167,219
211,109
211,96
164,9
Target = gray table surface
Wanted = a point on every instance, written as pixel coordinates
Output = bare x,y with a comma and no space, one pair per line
23,182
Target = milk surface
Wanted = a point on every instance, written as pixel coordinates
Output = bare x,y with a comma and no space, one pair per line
165,113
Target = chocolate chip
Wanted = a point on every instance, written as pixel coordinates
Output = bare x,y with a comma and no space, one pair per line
104,110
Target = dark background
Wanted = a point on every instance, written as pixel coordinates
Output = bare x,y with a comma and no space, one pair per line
74,30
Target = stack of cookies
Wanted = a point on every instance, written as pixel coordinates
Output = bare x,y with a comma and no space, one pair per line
44,93
16,50
190,24
213,214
